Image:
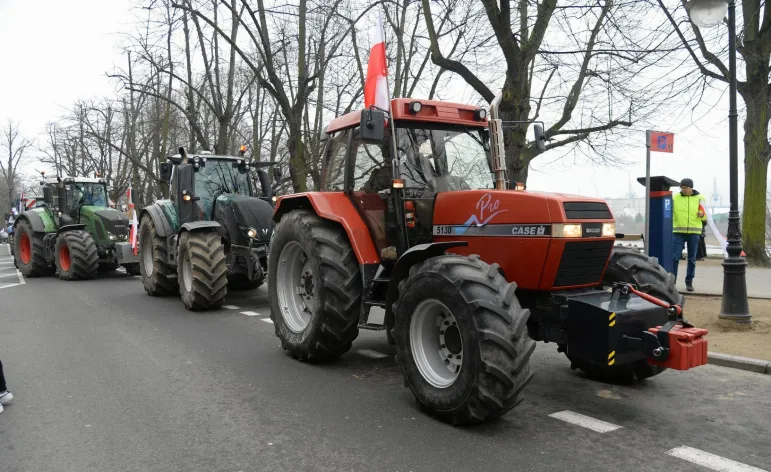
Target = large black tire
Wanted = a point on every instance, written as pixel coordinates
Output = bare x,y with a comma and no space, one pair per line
627,265
494,366
157,274
31,259
133,268
332,284
76,256
242,282
202,270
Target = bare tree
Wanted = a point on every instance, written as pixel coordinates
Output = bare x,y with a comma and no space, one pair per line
14,146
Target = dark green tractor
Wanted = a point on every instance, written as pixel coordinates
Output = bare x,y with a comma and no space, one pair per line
212,233
75,236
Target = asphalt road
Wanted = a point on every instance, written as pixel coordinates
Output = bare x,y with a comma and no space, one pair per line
107,378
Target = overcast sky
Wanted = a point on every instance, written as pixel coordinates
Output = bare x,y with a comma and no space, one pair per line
54,52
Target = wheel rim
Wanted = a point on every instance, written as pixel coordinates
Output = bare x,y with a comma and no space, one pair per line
436,343
147,256
295,287
25,248
187,273
64,257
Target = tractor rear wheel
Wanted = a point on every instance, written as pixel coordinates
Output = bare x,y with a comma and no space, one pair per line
630,266
76,256
133,268
29,252
461,339
242,282
314,287
202,270
154,269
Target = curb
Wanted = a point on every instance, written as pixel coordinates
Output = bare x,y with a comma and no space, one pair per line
739,362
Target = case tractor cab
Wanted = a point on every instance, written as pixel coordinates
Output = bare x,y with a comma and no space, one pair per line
75,235
213,234
417,218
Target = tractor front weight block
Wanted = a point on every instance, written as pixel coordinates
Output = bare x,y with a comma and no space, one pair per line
615,328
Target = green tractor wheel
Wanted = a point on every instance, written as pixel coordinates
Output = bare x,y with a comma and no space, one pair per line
76,256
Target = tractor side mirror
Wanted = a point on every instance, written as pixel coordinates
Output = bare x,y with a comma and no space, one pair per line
166,171
372,125
267,190
540,139
277,175
48,196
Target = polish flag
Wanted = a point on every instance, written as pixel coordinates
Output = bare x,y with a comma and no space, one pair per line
133,236
376,85
21,202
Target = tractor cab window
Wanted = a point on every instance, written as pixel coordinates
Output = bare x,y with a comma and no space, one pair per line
217,177
333,173
444,158
86,194
371,169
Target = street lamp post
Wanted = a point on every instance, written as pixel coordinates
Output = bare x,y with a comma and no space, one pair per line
705,14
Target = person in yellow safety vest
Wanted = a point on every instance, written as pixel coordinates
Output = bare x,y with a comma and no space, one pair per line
687,218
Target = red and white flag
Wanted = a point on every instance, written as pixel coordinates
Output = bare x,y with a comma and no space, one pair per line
21,202
376,86
133,232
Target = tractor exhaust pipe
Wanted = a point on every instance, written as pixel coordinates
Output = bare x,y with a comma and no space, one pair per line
496,143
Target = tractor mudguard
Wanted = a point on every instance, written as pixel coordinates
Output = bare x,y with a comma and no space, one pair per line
200,225
66,228
337,207
34,219
162,226
412,256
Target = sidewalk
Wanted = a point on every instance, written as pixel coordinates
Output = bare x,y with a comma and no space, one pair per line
709,279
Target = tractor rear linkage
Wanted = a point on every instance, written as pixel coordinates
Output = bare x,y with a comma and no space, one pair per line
657,344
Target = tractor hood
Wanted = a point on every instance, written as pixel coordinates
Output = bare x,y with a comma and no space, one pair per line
467,210
115,222
237,212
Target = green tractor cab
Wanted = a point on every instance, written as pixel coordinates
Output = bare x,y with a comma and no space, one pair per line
75,235
212,234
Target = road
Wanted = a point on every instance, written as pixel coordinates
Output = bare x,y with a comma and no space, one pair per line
107,378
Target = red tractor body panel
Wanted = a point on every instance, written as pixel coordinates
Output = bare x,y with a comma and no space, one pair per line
334,206
514,229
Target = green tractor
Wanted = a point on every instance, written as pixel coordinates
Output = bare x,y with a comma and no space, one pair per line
212,234
76,236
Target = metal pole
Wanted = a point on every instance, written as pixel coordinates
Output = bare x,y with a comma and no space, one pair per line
735,306
647,244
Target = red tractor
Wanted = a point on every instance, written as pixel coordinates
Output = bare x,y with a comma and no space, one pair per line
417,217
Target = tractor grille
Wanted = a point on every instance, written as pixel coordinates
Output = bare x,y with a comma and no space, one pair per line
582,262
586,211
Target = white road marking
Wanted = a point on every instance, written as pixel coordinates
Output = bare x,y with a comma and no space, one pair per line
267,320
710,461
585,421
230,307
250,313
372,354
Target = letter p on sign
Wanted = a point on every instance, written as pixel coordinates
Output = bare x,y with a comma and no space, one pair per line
662,142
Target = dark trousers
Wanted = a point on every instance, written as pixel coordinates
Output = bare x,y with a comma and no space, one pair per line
3,387
679,241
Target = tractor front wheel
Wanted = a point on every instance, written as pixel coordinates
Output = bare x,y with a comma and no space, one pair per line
202,270
461,339
29,252
314,287
76,256
627,265
154,268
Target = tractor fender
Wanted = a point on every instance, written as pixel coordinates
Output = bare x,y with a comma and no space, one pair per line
34,220
412,256
337,207
196,226
66,228
162,226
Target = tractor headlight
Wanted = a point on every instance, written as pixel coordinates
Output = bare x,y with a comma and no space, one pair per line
609,230
566,230
252,233
112,237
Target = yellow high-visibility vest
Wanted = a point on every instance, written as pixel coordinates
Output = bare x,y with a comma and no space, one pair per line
685,213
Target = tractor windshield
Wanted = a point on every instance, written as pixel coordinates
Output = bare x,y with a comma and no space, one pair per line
220,176
444,158
87,193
